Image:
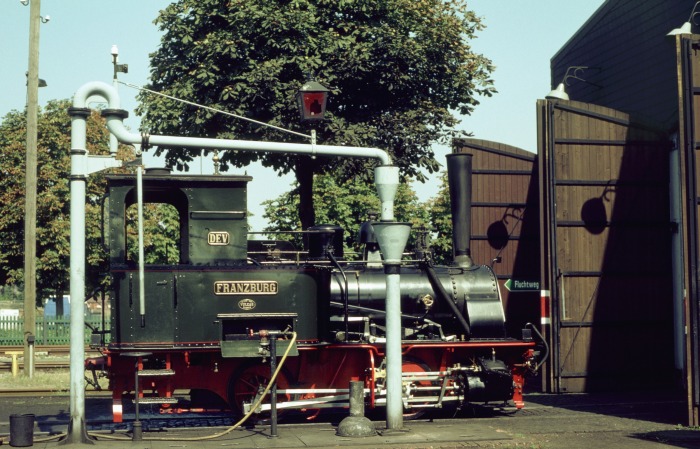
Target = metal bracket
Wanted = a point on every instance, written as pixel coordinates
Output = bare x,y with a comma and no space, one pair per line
96,164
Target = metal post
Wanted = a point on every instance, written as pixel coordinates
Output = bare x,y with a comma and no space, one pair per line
30,361
394,393
77,433
142,263
137,431
357,398
273,389
113,142
386,179
392,238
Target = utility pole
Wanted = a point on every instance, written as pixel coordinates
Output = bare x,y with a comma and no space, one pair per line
31,186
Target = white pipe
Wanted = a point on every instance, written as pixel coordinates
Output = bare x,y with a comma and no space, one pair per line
76,430
386,178
96,88
394,393
142,263
115,125
113,143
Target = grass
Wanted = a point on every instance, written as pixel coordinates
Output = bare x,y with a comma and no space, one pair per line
57,380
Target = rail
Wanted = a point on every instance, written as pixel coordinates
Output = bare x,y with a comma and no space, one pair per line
49,350
57,364
41,351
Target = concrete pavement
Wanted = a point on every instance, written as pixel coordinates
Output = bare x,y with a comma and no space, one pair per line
575,421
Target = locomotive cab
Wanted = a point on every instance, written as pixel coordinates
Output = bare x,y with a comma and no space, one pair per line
212,215
200,296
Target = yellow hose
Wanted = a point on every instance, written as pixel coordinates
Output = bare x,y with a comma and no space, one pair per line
233,427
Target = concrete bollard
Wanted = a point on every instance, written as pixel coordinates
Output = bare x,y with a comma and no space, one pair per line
15,361
356,425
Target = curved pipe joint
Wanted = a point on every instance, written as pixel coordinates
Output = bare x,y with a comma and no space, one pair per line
104,90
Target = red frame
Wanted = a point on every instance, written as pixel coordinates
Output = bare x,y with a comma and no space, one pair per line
331,366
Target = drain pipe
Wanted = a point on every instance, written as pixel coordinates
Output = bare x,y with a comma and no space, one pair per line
392,238
676,219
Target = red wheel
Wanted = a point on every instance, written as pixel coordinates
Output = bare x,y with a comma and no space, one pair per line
247,382
413,388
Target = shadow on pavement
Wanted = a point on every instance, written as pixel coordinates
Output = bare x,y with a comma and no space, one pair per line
689,439
663,407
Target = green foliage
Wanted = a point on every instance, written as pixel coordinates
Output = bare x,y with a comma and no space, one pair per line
440,215
344,203
398,70
161,234
11,293
53,190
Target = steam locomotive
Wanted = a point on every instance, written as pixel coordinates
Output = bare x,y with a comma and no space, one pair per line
213,320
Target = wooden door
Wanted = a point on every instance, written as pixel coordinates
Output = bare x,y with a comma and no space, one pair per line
605,252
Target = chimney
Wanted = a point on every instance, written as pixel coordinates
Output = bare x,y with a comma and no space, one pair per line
459,176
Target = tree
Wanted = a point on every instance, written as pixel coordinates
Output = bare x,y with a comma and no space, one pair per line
440,213
53,223
344,203
398,70
161,233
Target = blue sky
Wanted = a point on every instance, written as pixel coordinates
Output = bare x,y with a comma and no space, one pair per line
520,38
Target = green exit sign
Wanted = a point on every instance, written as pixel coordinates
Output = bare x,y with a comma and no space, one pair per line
522,285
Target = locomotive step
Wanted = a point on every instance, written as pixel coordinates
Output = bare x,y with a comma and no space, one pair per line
156,372
157,400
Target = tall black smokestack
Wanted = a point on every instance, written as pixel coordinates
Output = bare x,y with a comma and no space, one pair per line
459,176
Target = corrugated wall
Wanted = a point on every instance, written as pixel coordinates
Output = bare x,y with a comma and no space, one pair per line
631,62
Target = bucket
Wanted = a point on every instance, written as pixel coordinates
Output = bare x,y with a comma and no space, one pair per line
22,430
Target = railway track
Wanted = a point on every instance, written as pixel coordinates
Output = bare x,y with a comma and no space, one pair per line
39,364
32,392
46,356
48,350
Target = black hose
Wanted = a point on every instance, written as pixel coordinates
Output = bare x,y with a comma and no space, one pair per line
346,294
440,290
544,342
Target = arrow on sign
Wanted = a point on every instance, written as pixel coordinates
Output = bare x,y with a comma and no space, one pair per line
522,285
